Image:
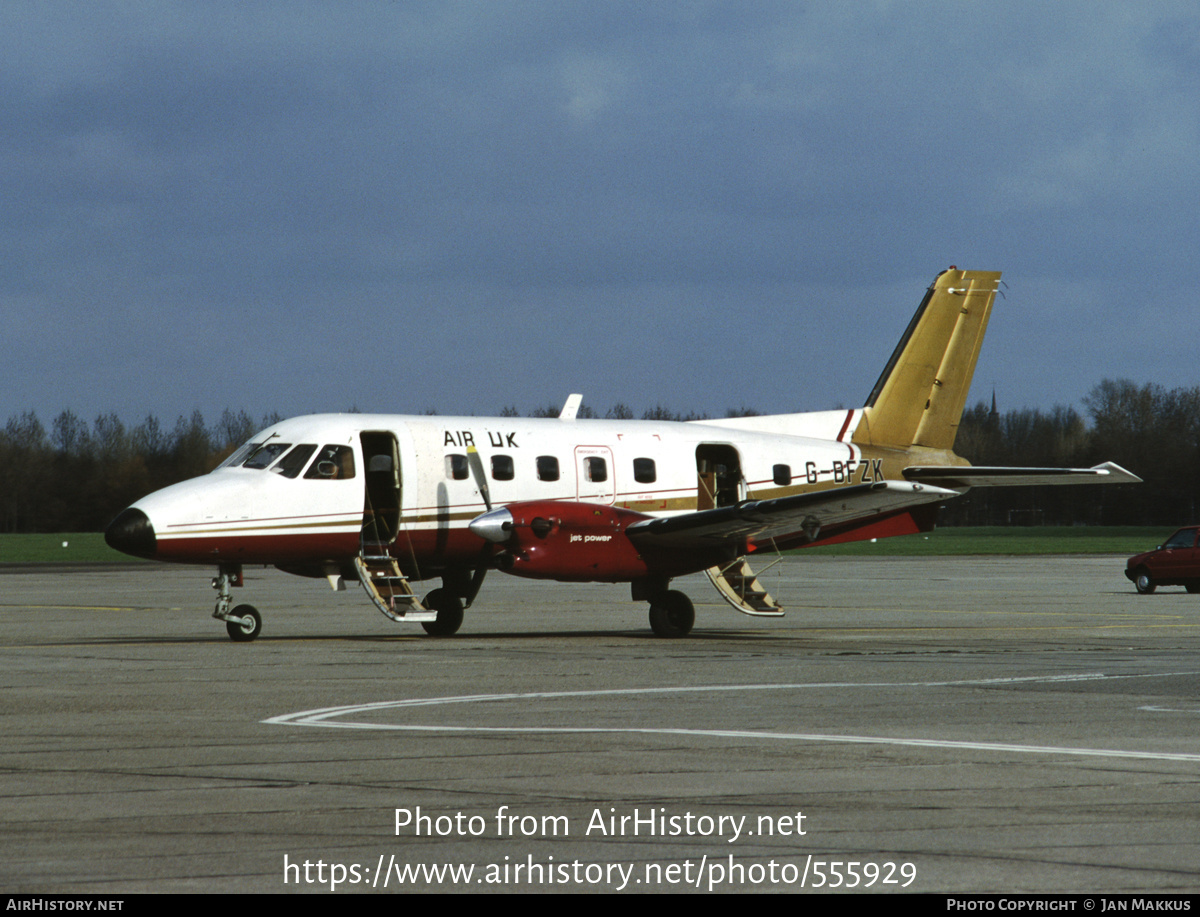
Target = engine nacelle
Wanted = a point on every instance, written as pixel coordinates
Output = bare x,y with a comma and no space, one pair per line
551,539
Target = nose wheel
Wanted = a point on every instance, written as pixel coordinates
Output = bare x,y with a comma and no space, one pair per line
243,623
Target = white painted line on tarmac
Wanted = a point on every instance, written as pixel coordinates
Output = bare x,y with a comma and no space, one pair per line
336,717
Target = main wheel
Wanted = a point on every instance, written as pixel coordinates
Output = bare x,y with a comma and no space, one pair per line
244,633
449,610
672,614
1192,587
1143,583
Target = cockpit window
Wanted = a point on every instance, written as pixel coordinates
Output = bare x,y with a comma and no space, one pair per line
293,463
239,454
334,463
265,454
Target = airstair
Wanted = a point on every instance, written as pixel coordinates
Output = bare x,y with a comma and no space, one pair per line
380,575
739,586
388,588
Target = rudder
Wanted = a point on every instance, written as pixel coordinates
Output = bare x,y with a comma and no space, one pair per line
919,398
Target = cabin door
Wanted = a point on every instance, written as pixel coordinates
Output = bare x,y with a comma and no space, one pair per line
719,476
381,509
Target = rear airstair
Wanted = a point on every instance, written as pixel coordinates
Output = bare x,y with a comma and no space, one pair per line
739,586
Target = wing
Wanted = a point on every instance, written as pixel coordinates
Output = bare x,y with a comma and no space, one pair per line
959,478
755,520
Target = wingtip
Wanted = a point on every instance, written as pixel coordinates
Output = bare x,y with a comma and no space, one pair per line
1119,474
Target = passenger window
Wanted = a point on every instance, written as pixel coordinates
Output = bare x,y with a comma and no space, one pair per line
783,475
456,467
334,463
293,463
547,468
595,469
644,471
265,454
502,468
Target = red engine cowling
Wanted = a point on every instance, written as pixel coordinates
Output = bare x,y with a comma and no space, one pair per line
583,542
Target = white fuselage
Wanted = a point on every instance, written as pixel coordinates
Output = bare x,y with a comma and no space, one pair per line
240,513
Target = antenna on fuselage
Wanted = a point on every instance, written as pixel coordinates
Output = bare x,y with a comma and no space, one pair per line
571,407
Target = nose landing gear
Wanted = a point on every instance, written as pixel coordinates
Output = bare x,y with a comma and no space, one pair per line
243,623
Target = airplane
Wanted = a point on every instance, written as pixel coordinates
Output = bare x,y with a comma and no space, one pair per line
386,500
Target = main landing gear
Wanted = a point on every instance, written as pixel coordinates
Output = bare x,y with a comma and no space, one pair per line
449,608
243,623
672,614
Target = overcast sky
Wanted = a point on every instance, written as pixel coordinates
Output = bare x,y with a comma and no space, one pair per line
399,206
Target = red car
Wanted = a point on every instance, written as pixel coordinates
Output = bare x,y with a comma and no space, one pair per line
1176,562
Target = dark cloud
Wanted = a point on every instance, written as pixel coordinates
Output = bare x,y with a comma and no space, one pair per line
398,206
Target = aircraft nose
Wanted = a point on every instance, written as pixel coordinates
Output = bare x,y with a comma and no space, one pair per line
131,533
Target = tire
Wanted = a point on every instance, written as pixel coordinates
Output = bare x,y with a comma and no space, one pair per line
1192,587
672,614
242,633
1143,582
449,610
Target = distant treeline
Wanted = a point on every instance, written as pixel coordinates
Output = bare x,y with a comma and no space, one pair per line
1152,431
76,476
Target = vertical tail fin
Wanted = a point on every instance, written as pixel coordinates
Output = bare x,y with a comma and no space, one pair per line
919,398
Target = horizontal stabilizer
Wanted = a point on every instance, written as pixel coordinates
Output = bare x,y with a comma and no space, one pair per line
958,478
784,516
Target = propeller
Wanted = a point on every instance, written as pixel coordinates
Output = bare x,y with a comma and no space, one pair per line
475,463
